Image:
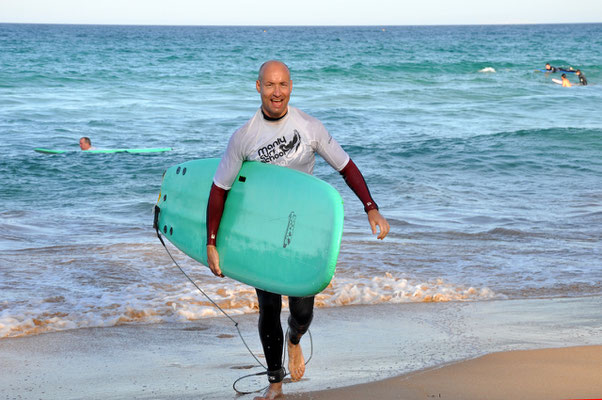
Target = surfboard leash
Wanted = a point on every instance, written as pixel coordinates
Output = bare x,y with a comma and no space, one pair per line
157,210
156,226
283,362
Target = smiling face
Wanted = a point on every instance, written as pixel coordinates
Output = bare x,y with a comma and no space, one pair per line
275,86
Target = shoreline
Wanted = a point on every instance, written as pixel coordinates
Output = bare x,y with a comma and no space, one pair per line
352,345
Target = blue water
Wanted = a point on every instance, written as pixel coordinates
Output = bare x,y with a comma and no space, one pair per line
489,173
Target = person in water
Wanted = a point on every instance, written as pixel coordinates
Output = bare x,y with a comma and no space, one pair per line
300,136
86,144
582,79
549,68
565,81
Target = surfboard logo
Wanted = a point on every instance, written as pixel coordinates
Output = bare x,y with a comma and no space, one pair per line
290,229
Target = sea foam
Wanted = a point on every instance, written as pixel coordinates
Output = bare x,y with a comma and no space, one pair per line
182,303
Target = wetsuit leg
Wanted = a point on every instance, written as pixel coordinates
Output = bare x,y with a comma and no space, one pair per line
270,332
302,312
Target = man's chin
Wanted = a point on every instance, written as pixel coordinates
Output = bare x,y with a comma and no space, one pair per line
274,112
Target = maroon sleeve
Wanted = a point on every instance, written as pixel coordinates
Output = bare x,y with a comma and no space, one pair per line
356,182
215,209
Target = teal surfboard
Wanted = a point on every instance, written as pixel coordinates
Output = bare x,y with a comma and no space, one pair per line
104,151
281,229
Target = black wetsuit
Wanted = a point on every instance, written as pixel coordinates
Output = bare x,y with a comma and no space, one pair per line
582,79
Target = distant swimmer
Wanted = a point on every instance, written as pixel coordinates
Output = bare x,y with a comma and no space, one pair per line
549,68
86,144
582,79
565,81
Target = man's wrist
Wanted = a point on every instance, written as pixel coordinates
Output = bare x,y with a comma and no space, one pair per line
369,206
211,240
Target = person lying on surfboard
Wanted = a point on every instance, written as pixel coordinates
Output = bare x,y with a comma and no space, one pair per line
549,68
286,136
86,144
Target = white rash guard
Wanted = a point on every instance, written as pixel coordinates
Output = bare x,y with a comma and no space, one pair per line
291,141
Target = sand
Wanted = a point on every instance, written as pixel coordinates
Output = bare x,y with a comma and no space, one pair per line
406,351
565,373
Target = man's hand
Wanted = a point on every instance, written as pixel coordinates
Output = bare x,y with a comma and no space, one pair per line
213,260
375,220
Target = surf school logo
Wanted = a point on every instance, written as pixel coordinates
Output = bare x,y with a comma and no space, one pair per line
279,148
290,229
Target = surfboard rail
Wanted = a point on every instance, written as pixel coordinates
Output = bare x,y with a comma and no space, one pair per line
105,151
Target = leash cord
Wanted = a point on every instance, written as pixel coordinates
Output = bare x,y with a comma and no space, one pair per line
212,302
157,210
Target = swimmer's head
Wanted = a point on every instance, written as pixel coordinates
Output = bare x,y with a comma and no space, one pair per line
85,143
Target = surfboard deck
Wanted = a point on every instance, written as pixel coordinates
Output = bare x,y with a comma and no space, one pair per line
559,82
105,151
280,231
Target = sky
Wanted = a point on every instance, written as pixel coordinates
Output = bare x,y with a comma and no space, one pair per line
300,12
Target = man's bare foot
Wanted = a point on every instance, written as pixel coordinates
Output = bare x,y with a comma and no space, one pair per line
274,391
296,362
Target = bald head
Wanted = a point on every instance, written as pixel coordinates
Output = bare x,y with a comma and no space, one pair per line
271,64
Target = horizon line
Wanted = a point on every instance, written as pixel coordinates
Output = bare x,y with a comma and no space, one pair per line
298,25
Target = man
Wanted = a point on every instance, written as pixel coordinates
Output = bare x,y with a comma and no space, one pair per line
565,81
302,137
85,144
549,68
582,79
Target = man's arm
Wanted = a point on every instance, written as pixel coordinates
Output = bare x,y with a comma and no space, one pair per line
356,182
215,209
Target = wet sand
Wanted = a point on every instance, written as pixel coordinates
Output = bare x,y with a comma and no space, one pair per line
564,373
365,345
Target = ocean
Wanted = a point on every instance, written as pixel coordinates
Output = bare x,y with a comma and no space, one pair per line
489,173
